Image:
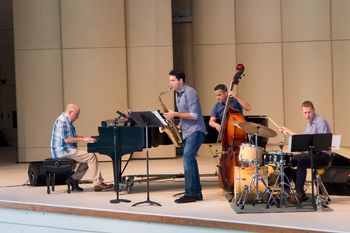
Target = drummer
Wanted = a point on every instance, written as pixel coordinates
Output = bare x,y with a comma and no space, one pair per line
315,125
221,95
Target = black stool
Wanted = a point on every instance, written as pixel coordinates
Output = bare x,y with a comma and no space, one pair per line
57,166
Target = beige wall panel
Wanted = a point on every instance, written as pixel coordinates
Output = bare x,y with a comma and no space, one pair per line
148,23
305,20
341,69
307,76
213,64
33,154
340,19
148,69
262,85
92,23
213,21
39,98
36,24
95,79
258,21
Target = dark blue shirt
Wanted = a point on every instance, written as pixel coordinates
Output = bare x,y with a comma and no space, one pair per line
218,109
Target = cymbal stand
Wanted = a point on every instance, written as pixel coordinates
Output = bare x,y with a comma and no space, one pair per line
281,181
255,180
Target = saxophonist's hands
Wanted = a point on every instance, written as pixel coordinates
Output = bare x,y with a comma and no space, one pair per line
170,114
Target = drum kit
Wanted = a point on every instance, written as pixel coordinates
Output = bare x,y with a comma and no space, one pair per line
253,158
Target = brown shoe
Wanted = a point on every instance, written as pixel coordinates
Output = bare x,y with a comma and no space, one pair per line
103,187
293,199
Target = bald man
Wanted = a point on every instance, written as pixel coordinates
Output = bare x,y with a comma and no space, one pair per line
64,144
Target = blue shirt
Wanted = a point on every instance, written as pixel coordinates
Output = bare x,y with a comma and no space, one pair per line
317,125
187,100
219,107
61,130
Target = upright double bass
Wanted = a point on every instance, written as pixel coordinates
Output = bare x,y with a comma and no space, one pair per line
231,137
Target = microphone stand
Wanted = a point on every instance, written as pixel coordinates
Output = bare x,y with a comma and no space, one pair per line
116,169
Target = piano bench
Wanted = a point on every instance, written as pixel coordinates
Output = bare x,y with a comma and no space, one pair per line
62,166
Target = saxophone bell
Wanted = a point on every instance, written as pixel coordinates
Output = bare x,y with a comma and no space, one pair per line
171,130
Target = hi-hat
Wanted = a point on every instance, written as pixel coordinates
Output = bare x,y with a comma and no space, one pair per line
260,130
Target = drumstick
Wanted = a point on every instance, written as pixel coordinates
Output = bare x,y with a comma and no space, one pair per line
273,121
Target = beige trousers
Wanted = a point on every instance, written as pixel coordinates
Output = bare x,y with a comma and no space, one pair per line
85,160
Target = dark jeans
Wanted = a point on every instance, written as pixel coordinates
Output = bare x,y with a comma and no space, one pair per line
302,162
191,146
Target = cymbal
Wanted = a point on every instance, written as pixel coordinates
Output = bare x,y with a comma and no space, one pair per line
260,130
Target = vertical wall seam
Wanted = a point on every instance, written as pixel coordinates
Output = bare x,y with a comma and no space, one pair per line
282,65
126,58
235,23
236,49
332,63
61,49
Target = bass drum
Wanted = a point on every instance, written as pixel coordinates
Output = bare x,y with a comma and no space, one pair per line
243,177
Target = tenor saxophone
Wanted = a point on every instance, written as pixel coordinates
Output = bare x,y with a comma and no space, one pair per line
171,130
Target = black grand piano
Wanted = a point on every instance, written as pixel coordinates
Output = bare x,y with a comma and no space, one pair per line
116,141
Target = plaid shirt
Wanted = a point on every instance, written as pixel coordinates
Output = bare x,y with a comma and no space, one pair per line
61,130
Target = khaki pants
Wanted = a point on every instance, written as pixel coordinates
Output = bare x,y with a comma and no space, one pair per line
86,160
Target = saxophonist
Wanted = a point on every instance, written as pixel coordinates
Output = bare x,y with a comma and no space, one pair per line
193,132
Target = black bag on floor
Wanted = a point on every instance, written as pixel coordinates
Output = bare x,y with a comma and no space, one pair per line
37,176
337,180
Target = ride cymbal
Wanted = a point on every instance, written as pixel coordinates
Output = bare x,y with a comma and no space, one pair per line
260,130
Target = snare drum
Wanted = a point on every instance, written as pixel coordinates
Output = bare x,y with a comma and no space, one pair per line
275,157
247,153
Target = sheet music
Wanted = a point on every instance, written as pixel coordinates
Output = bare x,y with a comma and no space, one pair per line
156,113
290,144
336,142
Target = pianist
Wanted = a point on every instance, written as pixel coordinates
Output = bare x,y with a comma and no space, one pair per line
64,144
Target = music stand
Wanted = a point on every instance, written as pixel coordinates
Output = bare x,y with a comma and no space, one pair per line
148,119
311,143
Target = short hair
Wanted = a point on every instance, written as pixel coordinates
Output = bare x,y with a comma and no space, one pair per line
179,74
220,87
308,104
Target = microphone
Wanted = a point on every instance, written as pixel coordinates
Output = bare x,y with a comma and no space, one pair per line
122,114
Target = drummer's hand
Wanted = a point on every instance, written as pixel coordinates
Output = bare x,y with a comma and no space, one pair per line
284,130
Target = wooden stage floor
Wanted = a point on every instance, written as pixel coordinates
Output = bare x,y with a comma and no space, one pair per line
213,212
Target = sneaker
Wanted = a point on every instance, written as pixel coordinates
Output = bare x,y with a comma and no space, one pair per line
292,199
103,187
186,198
